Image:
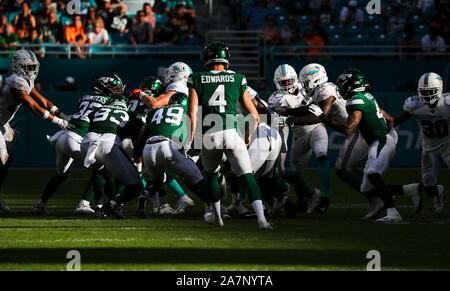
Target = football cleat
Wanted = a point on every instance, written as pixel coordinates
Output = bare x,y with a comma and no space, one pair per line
414,191
84,208
265,225
238,206
211,218
112,209
439,200
165,209
313,200
184,203
142,202
392,216
375,206
323,205
39,209
3,206
98,213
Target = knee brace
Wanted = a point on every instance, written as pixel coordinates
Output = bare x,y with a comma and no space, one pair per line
429,180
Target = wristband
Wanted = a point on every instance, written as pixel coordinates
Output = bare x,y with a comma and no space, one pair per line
53,109
141,95
46,114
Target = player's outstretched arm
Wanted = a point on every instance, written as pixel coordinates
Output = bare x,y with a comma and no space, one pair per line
192,110
46,104
37,109
389,118
348,127
403,117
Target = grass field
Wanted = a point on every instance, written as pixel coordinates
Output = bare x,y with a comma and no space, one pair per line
338,240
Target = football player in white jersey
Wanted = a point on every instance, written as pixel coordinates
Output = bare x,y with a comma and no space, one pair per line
175,80
306,137
431,109
264,152
19,89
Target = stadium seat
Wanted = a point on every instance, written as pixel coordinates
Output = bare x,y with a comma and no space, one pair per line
117,38
281,21
161,18
333,29
373,19
278,10
303,19
375,29
421,29
354,29
65,20
11,16
35,5
53,49
193,40
416,19
358,39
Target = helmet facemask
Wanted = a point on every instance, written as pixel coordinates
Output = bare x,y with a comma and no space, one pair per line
429,96
287,86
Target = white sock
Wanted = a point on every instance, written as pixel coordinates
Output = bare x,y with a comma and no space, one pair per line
139,167
259,210
217,208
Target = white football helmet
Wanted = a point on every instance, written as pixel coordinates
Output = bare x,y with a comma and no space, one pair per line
311,76
25,64
285,79
177,72
430,88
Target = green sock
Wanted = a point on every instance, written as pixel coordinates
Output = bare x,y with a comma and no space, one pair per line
88,194
300,185
352,178
52,186
251,187
173,184
324,170
200,189
214,188
381,189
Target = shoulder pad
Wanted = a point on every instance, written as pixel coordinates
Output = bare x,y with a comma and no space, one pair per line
19,83
178,87
325,91
251,92
275,98
446,97
411,104
230,71
355,101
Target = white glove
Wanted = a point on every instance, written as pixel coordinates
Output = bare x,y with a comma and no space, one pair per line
186,148
314,109
64,124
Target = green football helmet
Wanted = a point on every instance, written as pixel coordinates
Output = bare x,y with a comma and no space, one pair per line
152,84
351,81
178,99
108,84
216,52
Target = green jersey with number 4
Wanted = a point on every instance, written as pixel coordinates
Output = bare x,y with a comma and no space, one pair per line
373,126
86,104
218,93
111,117
168,121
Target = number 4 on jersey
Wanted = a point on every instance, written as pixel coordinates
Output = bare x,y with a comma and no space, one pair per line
218,98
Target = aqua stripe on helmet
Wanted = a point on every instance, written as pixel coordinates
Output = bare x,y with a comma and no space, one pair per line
426,79
283,71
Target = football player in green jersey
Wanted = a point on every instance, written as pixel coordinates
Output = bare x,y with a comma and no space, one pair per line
153,88
67,146
375,126
102,146
159,144
218,91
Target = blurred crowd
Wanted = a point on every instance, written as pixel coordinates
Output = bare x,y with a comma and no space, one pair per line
163,22
424,24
